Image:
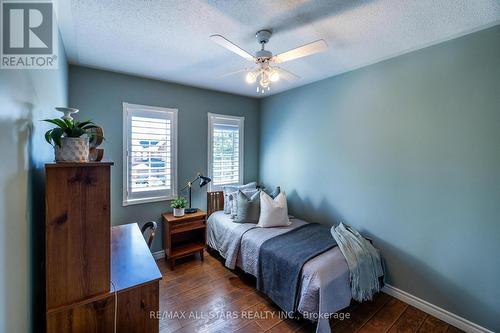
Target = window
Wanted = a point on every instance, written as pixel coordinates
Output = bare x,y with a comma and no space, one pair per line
150,153
225,150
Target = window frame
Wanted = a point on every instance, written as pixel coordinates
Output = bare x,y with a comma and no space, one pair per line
128,110
212,117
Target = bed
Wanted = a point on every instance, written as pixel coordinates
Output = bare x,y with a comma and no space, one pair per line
324,279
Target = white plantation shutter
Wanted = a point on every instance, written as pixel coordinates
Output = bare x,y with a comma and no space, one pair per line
150,143
225,150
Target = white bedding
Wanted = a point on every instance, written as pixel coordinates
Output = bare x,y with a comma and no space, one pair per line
324,278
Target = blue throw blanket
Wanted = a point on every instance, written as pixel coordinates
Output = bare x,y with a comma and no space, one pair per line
365,266
281,259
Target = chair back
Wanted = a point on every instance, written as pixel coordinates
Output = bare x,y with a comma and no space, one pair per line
148,231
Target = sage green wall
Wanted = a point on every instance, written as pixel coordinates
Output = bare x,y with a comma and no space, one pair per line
26,96
408,152
99,96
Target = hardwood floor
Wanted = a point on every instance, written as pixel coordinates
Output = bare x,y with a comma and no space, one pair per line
206,297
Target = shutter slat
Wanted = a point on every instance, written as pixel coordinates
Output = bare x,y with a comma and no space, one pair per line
150,154
225,153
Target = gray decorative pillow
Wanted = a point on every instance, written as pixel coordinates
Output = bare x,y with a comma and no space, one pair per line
274,193
248,192
231,190
248,208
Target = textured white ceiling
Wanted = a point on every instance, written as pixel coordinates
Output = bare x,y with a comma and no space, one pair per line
168,40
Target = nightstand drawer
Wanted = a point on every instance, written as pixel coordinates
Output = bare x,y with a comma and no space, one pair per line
186,226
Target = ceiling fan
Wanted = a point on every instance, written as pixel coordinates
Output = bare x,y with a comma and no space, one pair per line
266,70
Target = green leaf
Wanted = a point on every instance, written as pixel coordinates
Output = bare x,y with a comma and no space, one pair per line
75,132
68,123
48,137
69,128
89,127
82,124
179,202
57,122
56,135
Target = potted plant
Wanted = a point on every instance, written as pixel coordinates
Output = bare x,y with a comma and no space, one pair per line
70,139
178,204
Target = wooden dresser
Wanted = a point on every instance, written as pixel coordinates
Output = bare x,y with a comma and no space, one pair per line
88,264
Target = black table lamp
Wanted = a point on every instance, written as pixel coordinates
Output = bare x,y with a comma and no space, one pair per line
203,181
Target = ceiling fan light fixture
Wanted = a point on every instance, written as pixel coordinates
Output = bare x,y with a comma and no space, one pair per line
264,83
275,76
250,78
265,74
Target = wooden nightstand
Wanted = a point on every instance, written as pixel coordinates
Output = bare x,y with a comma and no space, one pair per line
184,236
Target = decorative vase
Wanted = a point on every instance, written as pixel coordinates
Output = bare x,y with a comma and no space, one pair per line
96,154
73,150
178,212
67,112
95,140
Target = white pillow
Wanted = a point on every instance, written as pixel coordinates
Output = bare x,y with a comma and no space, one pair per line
273,212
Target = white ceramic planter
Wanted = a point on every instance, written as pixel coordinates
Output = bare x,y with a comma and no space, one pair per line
178,212
73,150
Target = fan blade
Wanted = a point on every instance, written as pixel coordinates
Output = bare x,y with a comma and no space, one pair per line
302,51
234,72
232,47
289,76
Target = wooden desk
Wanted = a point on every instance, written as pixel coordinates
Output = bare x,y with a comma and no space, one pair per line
135,278
132,264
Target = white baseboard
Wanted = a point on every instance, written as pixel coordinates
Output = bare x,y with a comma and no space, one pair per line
433,310
159,254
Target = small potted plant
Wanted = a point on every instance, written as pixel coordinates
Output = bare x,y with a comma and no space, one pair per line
70,139
178,204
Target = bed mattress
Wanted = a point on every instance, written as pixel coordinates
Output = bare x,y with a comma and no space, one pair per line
327,272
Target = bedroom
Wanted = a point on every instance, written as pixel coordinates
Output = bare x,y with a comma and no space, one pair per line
390,124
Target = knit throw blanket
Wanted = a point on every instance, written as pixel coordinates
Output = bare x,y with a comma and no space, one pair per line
362,259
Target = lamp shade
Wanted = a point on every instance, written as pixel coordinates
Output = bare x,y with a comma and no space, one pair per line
204,180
